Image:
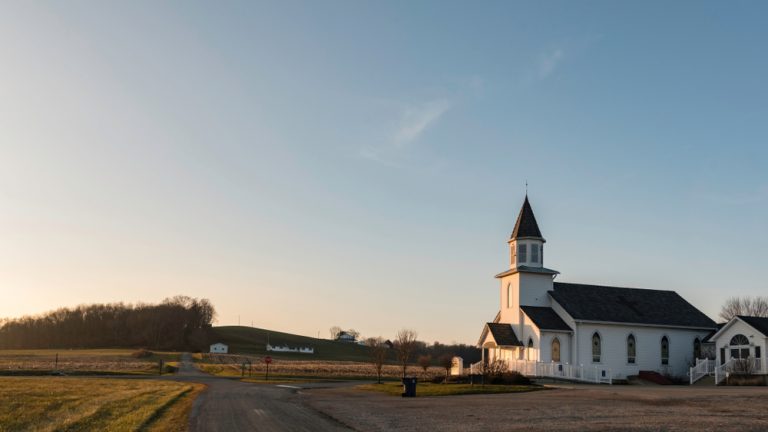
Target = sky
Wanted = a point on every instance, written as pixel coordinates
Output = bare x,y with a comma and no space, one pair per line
361,164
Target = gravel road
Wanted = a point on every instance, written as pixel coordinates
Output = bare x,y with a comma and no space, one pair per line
570,408
230,405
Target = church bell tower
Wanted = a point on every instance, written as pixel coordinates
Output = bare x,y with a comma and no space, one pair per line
526,245
527,281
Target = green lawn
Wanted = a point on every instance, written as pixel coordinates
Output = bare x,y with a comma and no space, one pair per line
430,389
79,404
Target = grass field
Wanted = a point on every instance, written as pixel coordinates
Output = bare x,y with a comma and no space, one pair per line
429,389
75,404
80,362
253,341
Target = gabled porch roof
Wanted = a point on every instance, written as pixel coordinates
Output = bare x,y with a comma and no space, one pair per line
500,334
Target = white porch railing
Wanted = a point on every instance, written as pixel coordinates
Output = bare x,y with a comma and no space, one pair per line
703,368
554,370
721,372
563,370
476,368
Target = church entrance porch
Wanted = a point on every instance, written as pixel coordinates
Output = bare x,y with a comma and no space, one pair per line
511,358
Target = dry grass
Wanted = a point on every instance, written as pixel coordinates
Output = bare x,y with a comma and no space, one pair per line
230,365
86,361
72,404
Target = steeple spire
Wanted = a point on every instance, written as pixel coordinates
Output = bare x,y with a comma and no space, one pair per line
526,226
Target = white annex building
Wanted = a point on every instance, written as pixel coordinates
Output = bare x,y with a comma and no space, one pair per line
740,347
586,332
219,348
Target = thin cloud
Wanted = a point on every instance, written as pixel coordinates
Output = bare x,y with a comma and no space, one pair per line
402,126
415,120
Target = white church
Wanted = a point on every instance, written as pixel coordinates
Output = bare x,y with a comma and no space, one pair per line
586,332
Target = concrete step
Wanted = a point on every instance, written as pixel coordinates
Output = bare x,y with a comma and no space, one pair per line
706,381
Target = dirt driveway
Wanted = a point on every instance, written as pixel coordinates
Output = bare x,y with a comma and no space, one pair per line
572,408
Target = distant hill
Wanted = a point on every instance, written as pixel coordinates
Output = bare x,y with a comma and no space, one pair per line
251,340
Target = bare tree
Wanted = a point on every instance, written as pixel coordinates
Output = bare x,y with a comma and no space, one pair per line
377,349
405,342
446,362
497,368
744,366
750,306
335,332
425,361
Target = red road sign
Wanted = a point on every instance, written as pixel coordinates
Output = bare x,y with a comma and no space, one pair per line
267,359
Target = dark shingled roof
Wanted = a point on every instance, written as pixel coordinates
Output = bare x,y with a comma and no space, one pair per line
503,334
708,337
545,318
526,225
761,324
628,305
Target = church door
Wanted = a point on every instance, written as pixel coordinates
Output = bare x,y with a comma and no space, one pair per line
556,350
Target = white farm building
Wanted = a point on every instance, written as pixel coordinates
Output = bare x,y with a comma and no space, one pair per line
586,332
219,348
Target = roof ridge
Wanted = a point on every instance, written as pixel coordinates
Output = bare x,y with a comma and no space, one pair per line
615,287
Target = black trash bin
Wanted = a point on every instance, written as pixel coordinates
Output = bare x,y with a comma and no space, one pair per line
409,387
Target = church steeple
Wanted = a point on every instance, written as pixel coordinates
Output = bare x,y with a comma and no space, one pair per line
526,226
526,245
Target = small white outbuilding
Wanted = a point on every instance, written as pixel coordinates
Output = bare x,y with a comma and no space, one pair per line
219,348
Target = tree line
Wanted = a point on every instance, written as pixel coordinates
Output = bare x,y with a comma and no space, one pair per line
177,323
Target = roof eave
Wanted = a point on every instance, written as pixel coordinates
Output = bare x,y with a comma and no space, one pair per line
585,321
543,270
730,323
511,239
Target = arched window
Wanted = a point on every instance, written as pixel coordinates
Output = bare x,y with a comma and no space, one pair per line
596,348
739,347
696,348
509,295
739,339
664,351
556,350
631,349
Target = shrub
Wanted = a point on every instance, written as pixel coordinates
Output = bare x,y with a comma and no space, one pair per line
511,378
496,368
142,353
170,369
746,380
676,379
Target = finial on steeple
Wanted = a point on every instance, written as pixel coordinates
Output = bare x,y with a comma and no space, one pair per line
526,187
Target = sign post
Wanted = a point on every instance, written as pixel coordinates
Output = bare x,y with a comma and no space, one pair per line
267,360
